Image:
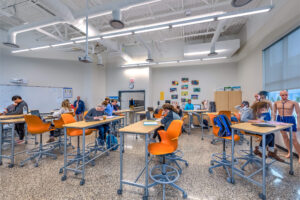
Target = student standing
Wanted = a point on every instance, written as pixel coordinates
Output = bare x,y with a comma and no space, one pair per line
80,107
96,114
21,107
286,108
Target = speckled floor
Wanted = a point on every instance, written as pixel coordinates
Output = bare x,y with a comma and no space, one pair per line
102,180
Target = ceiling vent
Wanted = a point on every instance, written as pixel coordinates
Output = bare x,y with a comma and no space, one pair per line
240,3
116,22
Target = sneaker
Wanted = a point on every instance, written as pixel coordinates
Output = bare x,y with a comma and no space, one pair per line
257,152
192,126
51,140
275,156
20,141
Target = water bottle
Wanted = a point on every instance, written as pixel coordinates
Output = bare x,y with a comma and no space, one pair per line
25,110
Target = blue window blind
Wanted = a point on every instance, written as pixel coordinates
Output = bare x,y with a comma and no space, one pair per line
281,63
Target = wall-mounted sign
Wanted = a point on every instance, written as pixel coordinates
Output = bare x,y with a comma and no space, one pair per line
67,93
131,83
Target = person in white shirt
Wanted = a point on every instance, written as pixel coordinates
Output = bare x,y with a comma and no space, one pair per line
245,111
65,108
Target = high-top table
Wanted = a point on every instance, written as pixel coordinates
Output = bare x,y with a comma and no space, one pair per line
190,115
263,131
141,129
83,125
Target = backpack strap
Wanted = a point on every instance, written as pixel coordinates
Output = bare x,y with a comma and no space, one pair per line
227,124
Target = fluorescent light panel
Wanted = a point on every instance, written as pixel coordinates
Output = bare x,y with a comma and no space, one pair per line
215,58
168,62
197,53
42,47
245,13
117,35
21,50
62,44
184,61
152,29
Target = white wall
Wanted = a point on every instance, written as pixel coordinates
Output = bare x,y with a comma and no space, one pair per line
118,79
211,77
87,80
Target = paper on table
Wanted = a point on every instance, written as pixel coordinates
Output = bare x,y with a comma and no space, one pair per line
109,117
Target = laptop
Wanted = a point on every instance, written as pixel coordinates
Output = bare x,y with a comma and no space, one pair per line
148,115
36,113
197,107
263,125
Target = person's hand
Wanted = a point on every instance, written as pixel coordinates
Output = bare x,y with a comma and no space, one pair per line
5,112
15,104
96,118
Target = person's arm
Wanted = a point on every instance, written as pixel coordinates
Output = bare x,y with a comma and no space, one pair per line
297,109
17,111
186,107
274,111
238,107
166,118
89,115
192,107
58,113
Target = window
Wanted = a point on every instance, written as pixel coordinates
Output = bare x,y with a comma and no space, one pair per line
281,63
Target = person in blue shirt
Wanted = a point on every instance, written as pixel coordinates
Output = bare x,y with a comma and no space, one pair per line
115,105
109,108
80,107
189,105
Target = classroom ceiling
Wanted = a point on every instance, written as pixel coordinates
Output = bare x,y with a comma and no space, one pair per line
14,13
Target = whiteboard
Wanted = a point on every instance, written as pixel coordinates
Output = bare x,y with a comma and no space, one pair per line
44,99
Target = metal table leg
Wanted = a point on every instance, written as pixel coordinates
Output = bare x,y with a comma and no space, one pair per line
64,177
263,194
83,157
26,133
232,157
121,162
291,172
202,126
1,132
190,123
12,156
146,165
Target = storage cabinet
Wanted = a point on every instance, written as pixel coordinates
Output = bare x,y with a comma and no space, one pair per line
226,100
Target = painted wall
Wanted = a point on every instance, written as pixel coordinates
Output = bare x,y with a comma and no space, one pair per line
211,77
87,80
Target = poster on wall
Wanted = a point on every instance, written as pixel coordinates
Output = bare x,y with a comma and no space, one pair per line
196,89
184,80
173,89
174,96
194,96
175,83
195,82
185,87
184,100
162,96
184,93
67,93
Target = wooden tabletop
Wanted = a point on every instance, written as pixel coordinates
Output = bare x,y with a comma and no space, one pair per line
12,121
139,128
84,124
143,112
123,111
200,111
248,127
4,117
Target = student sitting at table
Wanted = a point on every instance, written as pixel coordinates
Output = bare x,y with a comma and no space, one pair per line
261,113
190,106
115,105
245,112
65,108
170,115
20,106
109,107
96,114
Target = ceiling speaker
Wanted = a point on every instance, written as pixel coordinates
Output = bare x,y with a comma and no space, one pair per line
240,3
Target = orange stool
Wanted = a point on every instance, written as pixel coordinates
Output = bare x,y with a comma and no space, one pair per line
36,126
164,173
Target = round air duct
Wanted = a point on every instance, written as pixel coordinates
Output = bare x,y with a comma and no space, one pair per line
116,22
240,3
12,45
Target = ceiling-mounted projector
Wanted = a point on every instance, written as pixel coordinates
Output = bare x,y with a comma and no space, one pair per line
12,45
240,3
116,22
85,59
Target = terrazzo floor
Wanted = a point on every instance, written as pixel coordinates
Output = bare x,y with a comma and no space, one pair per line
102,180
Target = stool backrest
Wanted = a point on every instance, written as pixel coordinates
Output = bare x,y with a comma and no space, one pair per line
35,124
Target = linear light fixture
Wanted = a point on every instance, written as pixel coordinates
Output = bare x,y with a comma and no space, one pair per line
21,50
91,39
138,64
117,35
215,58
198,53
100,14
38,48
246,13
168,62
62,44
152,29
193,60
193,22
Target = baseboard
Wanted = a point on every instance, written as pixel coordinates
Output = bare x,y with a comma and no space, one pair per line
284,149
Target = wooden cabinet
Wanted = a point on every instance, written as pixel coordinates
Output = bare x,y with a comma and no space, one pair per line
226,100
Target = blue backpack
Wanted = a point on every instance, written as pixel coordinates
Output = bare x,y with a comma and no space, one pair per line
224,124
111,141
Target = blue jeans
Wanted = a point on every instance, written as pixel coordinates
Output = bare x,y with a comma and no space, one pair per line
103,129
191,117
270,140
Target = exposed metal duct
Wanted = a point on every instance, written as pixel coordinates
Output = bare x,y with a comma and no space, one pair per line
240,3
116,22
215,38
